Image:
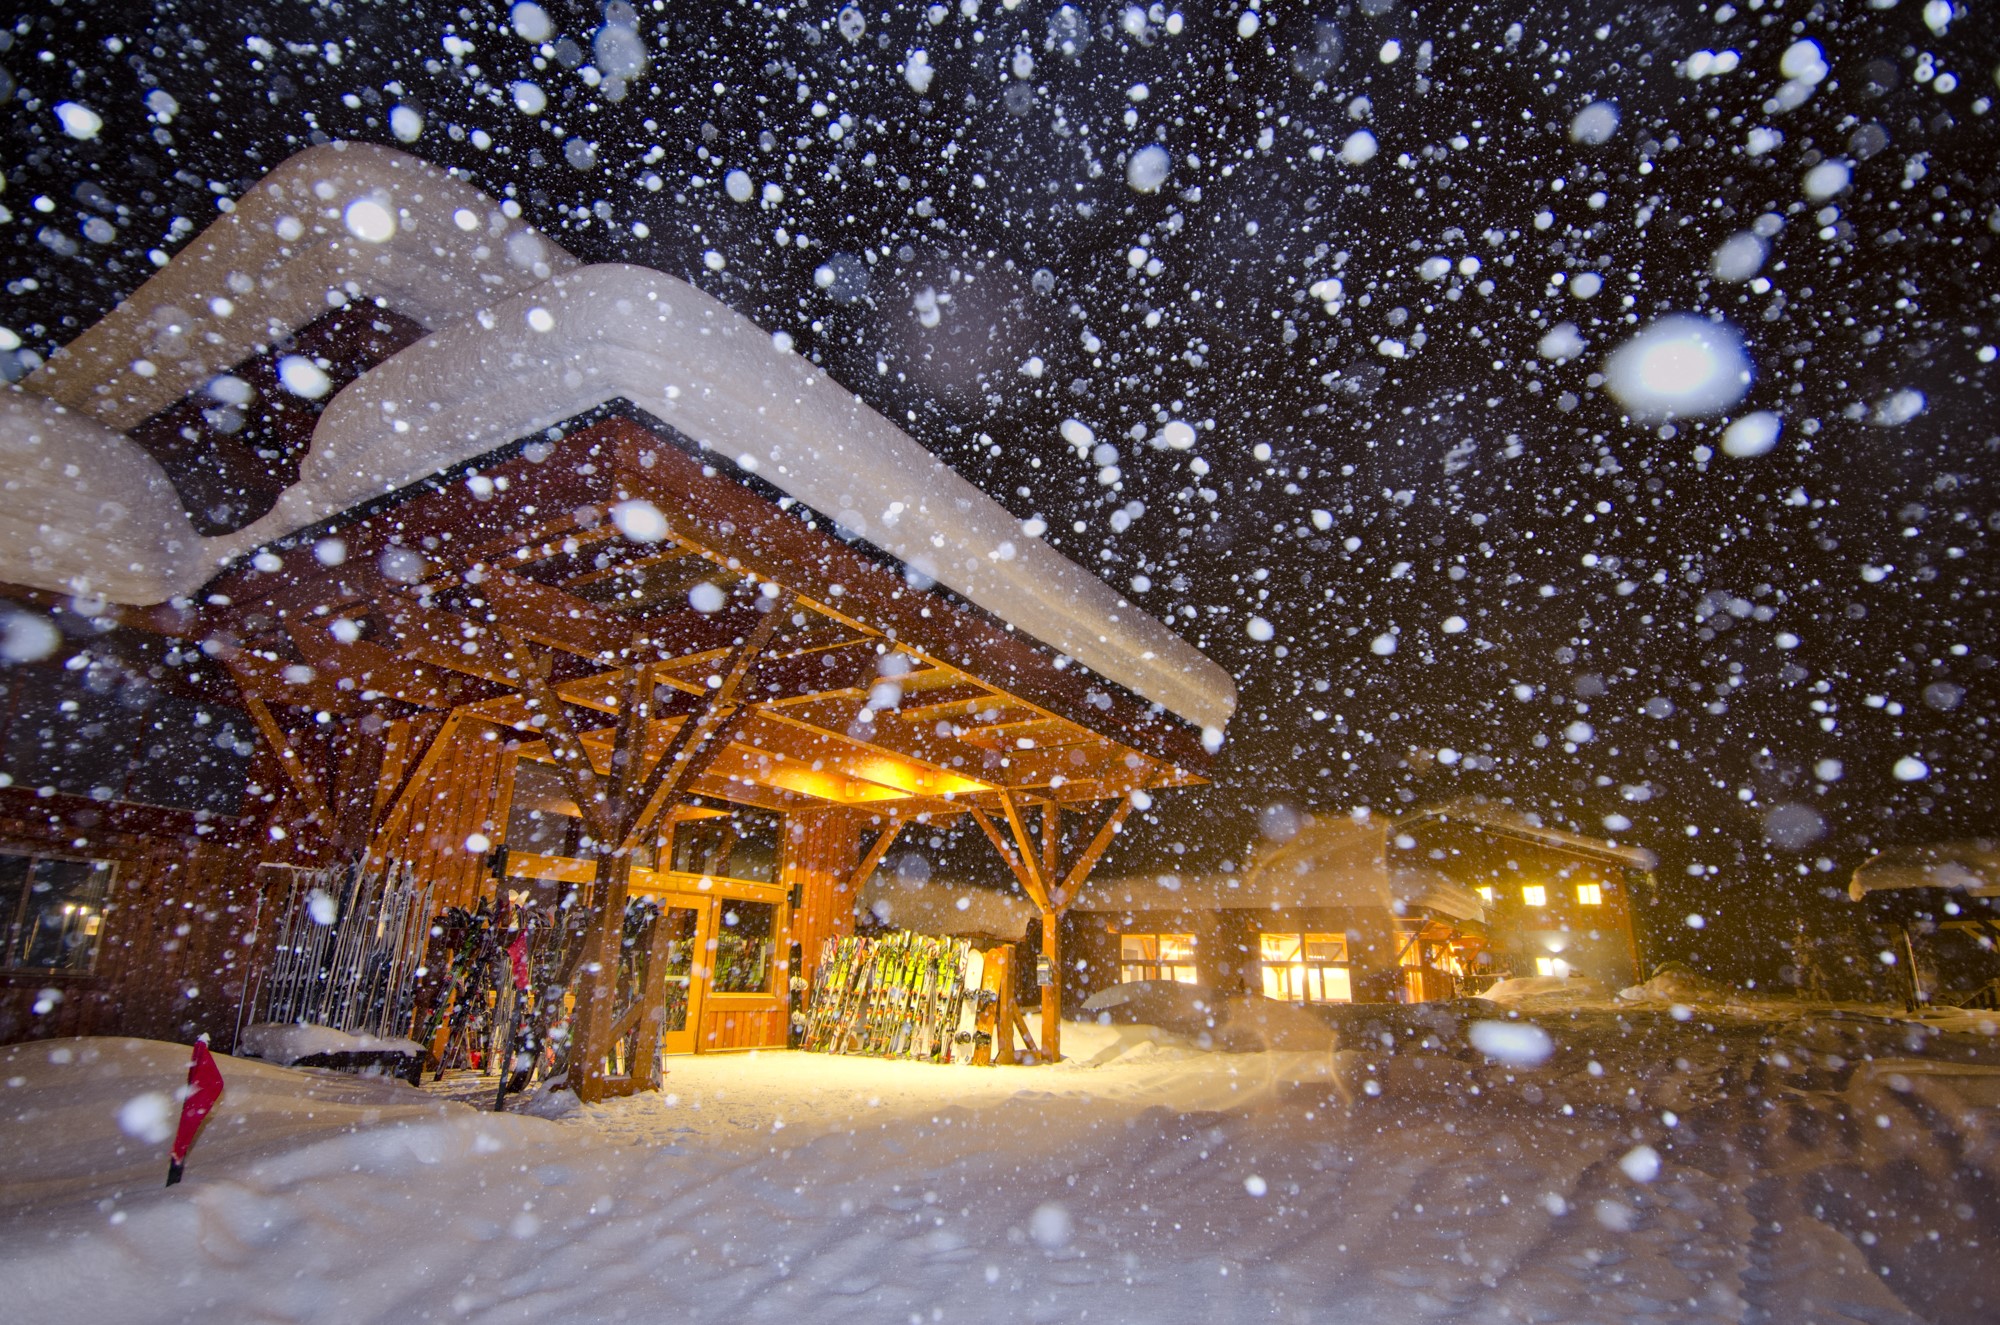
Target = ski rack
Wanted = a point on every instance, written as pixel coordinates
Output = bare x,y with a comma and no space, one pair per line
912,996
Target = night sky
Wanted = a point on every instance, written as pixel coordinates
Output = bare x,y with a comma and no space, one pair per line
1404,510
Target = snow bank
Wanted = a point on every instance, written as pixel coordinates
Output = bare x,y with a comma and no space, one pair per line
1545,991
1210,1018
285,1043
1646,1170
1676,984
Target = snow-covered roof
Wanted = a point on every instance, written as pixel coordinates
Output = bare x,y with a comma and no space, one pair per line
1970,866
1510,822
1360,883
521,339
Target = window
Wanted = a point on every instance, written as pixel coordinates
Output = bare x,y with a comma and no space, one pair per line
743,941
1534,894
1485,890
1589,894
51,912
1156,957
742,844
1306,968
1555,966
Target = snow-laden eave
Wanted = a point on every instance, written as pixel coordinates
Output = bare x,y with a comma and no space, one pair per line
354,218
95,514
616,332
1508,822
1971,866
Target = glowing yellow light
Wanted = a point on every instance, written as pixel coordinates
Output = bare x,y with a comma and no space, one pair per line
1589,894
1534,894
1485,890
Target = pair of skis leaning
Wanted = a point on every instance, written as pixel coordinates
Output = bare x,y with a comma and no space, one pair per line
903,995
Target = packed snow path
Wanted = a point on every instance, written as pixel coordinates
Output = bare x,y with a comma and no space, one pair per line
1714,1169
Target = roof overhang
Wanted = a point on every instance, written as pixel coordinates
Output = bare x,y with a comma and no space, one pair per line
510,355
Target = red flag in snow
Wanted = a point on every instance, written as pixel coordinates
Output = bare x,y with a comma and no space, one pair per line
204,1089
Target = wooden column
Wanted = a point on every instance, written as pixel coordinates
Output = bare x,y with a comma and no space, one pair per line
619,808
1037,870
1051,1047
590,1022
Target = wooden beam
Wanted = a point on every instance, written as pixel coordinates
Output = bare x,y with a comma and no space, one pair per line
1052,841
368,669
275,681
705,735
1030,856
876,850
438,637
296,771
554,618
1030,884
574,761
1086,861
414,771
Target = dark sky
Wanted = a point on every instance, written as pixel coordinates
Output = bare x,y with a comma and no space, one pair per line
1762,666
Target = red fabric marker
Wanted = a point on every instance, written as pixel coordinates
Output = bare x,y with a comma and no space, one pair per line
204,1089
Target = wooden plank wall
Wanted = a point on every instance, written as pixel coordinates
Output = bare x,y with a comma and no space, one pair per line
748,1029
464,794
822,849
172,959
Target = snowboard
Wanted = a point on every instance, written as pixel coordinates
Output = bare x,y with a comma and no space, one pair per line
965,1021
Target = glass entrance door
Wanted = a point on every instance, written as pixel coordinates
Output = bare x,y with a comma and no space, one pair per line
686,972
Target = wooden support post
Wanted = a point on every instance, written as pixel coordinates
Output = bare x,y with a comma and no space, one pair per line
1052,932
590,1023
1038,870
1006,1012
630,806
1027,1038
1052,991
876,850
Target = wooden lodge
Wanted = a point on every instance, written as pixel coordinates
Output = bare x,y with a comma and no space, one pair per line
1438,903
375,532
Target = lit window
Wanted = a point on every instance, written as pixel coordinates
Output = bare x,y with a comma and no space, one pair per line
1156,957
1305,968
1555,966
1485,890
1534,894
51,912
1589,894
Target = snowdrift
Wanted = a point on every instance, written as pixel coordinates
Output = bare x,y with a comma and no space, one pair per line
1646,1169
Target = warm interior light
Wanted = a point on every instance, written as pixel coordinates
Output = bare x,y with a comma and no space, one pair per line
1534,894
1589,894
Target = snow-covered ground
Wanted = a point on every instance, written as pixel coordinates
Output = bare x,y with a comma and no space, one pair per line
1721,1167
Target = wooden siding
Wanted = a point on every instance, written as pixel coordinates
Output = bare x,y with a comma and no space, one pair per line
822,849
746,1028
463,794
172,960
